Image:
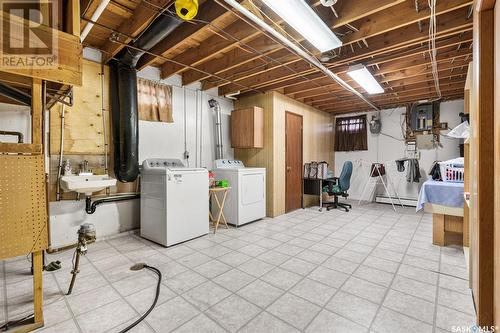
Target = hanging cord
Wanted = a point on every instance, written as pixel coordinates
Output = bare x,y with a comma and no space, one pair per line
432,45
138,267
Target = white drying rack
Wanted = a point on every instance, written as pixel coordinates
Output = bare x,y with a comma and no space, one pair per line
375,174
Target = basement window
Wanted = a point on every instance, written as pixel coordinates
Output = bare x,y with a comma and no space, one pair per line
351,133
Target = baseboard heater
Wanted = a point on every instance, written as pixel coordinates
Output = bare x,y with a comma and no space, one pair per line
405,201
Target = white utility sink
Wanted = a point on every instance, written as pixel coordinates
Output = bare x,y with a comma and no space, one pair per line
86,184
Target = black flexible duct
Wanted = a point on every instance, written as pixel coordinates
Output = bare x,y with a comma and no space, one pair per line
123,88
15,94
161,27
125,121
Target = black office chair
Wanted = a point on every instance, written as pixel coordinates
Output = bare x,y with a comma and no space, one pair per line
340,189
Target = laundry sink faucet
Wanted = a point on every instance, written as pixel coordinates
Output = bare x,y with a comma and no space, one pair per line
84,169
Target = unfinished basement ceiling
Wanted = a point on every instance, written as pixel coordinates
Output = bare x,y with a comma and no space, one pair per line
221,49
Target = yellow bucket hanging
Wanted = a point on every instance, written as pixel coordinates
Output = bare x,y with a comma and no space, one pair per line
186,9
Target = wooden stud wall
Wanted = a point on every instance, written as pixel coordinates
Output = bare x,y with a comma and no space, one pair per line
83,130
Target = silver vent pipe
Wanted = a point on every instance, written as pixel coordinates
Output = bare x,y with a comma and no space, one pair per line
214,105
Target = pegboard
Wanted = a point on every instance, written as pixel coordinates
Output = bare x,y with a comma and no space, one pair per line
23,212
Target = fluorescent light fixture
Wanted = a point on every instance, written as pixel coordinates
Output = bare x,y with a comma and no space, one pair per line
302,18
365,79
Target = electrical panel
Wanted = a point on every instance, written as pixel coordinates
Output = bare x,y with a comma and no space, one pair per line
422,117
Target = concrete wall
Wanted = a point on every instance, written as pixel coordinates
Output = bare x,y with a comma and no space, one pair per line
389,146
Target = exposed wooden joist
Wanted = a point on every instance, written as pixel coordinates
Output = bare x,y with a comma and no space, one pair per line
350,12
291,60
389,42
389,87
399,16
170,69
394,103
140,19
301,87
424,88
391,102
208,12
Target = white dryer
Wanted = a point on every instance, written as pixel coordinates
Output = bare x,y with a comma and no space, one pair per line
246,201
174,201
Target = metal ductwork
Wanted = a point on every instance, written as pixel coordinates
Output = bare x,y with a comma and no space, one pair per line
123,89
214,105
15,94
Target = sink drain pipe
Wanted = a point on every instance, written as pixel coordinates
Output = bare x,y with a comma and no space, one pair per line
91,206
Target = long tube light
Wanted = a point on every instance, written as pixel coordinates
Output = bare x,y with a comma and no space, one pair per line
365,79
304,55
302,18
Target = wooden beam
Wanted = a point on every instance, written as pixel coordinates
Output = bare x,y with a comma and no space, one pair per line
140,19
423,82
426,88
38,286
399,16
482,5
444,20
301,87
217,66
350,11
392,102
73,17
20,148
208,12
325,85
36,112
389,42
211,47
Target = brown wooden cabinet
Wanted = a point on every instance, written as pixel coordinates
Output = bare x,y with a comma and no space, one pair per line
247,128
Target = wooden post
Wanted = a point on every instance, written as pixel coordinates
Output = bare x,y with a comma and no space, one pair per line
36,112
438,229
38,286
73,15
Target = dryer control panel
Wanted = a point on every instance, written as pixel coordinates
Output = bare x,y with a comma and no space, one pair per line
162,163
228,164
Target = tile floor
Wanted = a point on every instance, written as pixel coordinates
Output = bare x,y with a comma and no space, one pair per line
369,270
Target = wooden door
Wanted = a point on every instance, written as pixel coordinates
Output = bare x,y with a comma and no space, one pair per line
293,161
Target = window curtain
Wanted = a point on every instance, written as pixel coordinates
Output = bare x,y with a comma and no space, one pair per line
351,133
155,101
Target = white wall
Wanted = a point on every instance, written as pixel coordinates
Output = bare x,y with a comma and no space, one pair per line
15,118
193,126
192,130
386,149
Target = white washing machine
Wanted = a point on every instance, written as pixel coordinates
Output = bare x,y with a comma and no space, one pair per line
246,201
174,201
